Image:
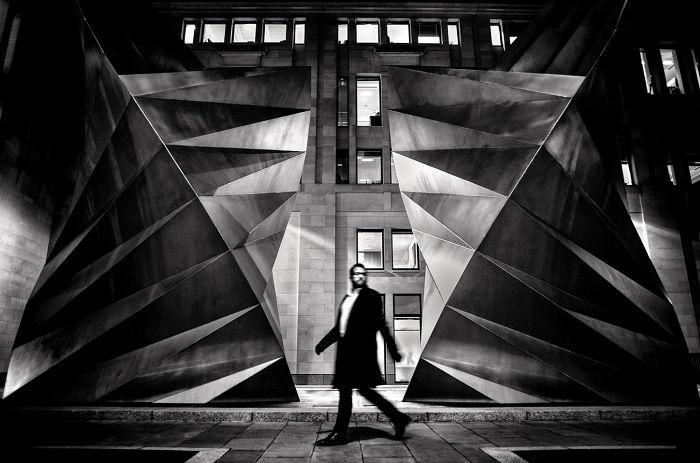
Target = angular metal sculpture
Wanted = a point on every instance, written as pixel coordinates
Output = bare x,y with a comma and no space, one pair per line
159,286
538,286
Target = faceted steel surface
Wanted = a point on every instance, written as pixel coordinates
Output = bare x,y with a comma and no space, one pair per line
538,287
158,286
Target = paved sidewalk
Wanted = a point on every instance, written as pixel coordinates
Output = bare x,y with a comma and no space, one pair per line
280,442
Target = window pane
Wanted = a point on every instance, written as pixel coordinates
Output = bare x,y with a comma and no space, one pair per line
189,32
496,35
342,33
369,249
367,33
626,174
407,324
299,31
404,251
429,32
244,32
275,32
452,34
409,342
512,39
398,33
369,167
671,75
406,304
214,33
368,103
647,73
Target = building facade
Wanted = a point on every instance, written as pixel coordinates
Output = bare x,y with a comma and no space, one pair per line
349,207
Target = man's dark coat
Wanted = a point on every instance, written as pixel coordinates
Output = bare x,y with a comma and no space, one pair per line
356,355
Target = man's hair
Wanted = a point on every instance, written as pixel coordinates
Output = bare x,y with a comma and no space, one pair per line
355,266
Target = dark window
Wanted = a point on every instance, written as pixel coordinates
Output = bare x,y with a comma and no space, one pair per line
342,168
429,32
342,101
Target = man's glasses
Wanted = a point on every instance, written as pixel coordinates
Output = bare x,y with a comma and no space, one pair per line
359,273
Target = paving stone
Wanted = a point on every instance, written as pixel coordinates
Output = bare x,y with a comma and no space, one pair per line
240,456
385,451
390,460
216,436
250,443
276,450
177,433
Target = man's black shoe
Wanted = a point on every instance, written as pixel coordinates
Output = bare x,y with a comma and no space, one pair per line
333,438
400,426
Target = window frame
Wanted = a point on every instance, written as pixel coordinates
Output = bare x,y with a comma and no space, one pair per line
376,22
499,24
378,154
298,22
357,246
196,35
241,21
359,79
455,23
215,22
418,317
399,22
438,24
274,21
403,231
340,23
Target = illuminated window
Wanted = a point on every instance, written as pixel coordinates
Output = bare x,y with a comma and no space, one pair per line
299,32
367,32
244,31
189,32
429,32
370,248
626,173
398,32
453,33
647,72
368,102
369,167
214,32
496,33
404,250
342,32
274,31
669,60
407,326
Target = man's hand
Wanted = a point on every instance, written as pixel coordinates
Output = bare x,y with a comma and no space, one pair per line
318,349
397,356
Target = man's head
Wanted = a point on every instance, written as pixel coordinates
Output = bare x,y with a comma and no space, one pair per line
358,276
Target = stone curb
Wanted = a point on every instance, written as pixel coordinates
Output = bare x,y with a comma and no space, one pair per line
427,414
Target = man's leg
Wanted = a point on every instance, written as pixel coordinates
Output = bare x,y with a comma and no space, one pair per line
400,420
344,410
339,435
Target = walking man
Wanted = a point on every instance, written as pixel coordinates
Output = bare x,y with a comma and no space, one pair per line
356,366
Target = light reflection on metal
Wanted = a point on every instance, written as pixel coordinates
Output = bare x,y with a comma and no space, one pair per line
159,286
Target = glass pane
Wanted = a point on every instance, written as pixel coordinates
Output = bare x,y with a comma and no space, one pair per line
214,33
626,174
452,34
404,251
496,35
409,343
647,73
299,31
342,33
275,32
189,33
367,33
669,59
398,33
406,304
368,103
407,324
512,39
369,167
429,32
369,249
244,32
671,173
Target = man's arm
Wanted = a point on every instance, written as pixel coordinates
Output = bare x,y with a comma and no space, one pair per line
332,336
